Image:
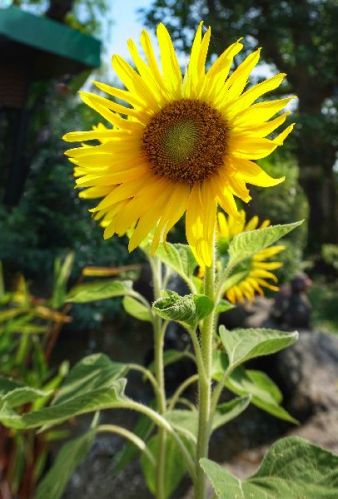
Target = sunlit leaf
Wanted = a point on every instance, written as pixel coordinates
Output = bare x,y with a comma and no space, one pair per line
247,244
292,468
136,309
263,391
227,411
242,345
179,257
99,290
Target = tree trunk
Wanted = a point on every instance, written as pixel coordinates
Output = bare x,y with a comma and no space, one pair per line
320,189
58,9
316,156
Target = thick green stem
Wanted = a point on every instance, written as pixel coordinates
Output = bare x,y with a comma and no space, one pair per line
204,424
159,332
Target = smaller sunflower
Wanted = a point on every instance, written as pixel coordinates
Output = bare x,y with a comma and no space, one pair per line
258,269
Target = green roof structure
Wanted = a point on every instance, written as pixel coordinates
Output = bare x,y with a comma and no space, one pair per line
50,48
33,48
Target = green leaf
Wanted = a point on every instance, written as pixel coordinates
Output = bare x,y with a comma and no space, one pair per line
136,309
8,384
229,410
188,309
91,372
293,468
22,395
6,315
180,258
223,306
264,393
68,458
244,344
93,400
98,290
246,244
94,383
175,467
62,271
185,422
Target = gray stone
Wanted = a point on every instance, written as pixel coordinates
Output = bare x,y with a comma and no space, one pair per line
307,373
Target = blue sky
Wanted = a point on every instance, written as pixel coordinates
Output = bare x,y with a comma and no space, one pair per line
126,24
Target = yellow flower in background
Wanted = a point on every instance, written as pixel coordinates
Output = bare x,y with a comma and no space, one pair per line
257,269
229,227
182,144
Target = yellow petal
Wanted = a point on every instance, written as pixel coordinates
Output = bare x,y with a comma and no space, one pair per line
223,225
238,187
88,135
238,80
171,68
279,140
258,272
248,97
254,174
146,74
172,213
120,94
264,129
194,78
151,58
264,224
246,147
268,252
95,192
269,265
252,224
133,81
219,71
111,105
257,113
123,191
148,220
267,285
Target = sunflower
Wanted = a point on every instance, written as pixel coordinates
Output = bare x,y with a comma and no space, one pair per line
179,144
257,270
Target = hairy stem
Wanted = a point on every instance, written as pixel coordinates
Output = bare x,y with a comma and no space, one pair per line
183,386
123,432
162,423
204,388
147,374
159,332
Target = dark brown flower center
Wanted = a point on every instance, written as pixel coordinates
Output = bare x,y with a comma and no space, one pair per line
186,141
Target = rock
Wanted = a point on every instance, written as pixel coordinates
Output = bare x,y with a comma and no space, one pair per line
96,476
307,374
248,314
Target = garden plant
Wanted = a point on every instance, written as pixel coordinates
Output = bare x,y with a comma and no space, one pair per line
183,145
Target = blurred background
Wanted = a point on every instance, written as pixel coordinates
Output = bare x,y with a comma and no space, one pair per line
48,241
